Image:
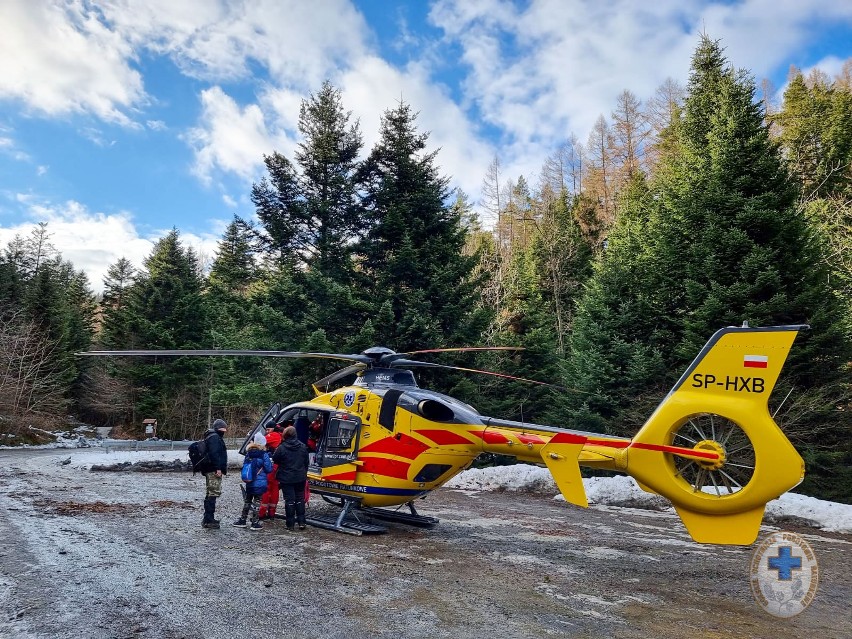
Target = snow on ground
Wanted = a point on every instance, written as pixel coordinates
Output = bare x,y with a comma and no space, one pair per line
103,458
624,491
828,515
604,491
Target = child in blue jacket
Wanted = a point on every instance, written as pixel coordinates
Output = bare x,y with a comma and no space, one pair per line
256,465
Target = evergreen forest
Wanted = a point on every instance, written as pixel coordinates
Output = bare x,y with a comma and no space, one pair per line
702,206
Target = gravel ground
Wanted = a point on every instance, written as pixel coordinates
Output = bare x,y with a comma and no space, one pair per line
115,555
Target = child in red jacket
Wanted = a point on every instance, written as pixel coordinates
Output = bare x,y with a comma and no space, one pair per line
269,500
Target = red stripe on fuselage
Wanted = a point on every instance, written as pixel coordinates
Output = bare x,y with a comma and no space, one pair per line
444,437
350,476
616,443
526,438
386,467
612,443
400,445
567,438
490,436
675,449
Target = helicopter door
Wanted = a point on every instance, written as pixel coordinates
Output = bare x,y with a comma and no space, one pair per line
338,452
268,419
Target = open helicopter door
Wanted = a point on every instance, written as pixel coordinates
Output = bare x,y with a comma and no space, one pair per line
268,419
337,455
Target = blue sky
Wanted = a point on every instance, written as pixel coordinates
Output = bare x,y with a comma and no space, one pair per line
122,119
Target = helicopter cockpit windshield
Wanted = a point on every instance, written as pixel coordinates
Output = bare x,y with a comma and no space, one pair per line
386,376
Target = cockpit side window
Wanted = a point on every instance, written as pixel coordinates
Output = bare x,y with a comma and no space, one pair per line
341,433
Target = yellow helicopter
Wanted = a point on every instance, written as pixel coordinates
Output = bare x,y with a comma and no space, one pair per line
711,447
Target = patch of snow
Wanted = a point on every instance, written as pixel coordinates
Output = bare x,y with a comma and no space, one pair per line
519,477
624,491
827,515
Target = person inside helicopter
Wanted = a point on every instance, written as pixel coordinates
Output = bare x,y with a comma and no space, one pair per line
302,425
315,431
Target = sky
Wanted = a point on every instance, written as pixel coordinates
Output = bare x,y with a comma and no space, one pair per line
120,120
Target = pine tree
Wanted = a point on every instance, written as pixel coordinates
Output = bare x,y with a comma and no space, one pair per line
311,216
234,268
616,344
716,241
166,312
412,254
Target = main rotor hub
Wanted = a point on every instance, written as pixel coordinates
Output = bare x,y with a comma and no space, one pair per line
711,446
378,353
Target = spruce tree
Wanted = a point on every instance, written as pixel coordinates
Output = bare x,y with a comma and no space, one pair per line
311,217
720,242
166,312
412,254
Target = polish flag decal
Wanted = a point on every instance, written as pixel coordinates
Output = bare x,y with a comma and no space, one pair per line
755,361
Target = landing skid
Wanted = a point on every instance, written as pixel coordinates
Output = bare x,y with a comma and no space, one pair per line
349,522
412,519
349,526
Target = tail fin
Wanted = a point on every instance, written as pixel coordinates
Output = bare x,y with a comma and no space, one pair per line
719,405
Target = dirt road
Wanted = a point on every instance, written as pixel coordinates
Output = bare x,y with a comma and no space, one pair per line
117,555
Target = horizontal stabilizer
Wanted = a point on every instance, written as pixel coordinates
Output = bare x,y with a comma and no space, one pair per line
561,454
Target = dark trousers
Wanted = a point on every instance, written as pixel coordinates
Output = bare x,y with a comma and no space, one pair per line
251,503
294,502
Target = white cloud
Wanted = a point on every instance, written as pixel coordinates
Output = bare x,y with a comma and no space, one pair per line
830,65
549,68
230,138
298,42
531,73
8,147
92,241
372,86
60,58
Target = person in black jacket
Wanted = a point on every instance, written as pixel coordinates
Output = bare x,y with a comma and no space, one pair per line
217,458
292,459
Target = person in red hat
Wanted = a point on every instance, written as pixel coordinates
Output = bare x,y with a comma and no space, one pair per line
269,500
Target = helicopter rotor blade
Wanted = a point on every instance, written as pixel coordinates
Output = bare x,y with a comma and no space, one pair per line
392,357
363,359
413,363
343,372
462,349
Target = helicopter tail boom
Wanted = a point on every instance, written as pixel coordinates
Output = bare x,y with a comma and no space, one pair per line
711,447
720,405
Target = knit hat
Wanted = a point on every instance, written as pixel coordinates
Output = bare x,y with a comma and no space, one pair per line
260,440
219,424
273,440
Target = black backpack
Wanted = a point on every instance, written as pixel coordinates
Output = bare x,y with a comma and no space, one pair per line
198,456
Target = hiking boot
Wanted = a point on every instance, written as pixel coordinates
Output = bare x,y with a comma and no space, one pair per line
210,524
301,526
256,525
289,527
240,523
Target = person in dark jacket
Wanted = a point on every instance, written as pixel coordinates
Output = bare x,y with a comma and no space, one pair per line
259,465
292,459
217,460
302,426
